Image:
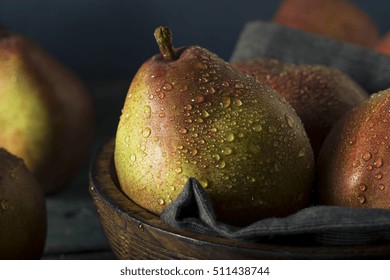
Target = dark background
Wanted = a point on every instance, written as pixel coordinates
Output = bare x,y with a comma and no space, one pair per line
105,42
101,39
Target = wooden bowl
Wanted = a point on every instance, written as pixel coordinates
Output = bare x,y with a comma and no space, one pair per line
135,233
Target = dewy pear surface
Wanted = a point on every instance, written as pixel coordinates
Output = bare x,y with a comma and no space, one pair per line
195,116
319,94
353,167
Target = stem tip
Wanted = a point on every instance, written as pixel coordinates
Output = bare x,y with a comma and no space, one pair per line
163,37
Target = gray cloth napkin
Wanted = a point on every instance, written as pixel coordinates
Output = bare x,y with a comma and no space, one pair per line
266,39
193,211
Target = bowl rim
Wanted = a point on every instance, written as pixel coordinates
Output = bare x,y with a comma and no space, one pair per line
105,186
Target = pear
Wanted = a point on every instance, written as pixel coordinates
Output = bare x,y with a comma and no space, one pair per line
339,19
188,113
22,210
46,113
354,162
319,94
383,45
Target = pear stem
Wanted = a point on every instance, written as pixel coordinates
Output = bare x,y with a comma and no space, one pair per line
163,38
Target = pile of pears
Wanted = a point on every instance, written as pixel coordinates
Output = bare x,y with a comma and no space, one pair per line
245,132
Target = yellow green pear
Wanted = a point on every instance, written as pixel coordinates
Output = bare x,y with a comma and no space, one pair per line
188,113
46,114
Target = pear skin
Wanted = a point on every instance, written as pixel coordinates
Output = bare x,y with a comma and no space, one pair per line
354,162
338,19
319,94
46,113
188,113
383,46
23,220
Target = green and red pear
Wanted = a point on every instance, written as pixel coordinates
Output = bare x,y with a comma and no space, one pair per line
46,113
188,113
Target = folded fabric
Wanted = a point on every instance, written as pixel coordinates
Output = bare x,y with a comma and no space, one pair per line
193,211
267,39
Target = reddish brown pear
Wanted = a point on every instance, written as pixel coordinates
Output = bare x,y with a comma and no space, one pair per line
188,113
319,94
22,210
354,163
383,46
46,114
338,19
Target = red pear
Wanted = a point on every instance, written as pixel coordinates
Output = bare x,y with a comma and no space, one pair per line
383,46
319,94
354,163
338,19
